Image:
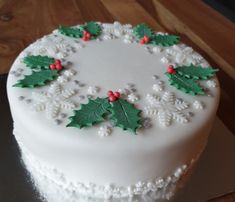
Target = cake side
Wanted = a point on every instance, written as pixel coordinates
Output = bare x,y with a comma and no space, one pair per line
167,140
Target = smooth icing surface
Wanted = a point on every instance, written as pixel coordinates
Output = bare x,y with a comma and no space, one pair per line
175,124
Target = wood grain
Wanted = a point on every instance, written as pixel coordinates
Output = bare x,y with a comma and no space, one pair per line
23,21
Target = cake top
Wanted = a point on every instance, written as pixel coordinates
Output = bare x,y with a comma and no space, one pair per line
113,79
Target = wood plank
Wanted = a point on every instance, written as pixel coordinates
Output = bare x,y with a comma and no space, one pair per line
31,19
225,198
204,26
129,11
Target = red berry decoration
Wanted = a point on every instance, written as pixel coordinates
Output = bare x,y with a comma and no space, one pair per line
170,69
112,98
86,36
52,66
146,39
110,93
117,94
58,66
142,41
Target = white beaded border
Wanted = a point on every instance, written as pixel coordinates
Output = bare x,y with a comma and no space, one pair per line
160,188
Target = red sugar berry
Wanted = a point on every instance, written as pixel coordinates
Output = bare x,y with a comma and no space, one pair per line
88,35
112,98
58,66
52,66
110,93
146,39
85,32
84,38
142,41
58,61
117,94
171,69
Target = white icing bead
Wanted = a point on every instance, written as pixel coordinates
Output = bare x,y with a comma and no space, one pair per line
164,60
157,49
198,105
211,83
69,72
92,90
104,131
158,87
132,97
62,79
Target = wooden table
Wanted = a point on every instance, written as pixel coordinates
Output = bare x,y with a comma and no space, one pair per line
23,21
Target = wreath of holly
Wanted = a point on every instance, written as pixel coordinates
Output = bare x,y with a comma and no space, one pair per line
44,69
122,113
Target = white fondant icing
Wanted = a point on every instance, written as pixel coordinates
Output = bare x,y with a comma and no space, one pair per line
55,186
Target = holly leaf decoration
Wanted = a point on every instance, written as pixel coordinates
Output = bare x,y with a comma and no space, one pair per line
142,30
125,115
184,84
70,31
93,28
196,72
38,61
91,113
37,78
164,40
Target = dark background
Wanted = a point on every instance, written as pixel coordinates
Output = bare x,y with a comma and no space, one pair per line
225,7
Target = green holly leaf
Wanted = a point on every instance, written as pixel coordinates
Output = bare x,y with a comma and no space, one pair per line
164,40
91,113
184,84
125,115
70,31
93,28
37,78
196,72
142,30
38,61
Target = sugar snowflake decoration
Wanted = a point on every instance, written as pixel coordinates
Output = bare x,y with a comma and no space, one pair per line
52,47
167,108
117,29
183,55
53,101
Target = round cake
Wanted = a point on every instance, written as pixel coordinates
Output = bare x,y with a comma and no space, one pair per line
110,111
